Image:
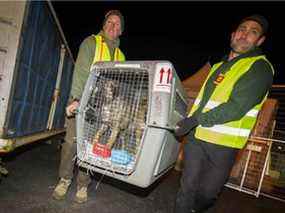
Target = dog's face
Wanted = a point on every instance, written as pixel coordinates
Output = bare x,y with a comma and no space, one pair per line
109,87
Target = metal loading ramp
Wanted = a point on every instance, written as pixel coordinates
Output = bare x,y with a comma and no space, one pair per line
126,113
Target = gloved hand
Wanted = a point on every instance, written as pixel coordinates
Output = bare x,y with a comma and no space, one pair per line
185,126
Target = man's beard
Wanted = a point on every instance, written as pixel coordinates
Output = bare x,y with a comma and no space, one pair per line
235,47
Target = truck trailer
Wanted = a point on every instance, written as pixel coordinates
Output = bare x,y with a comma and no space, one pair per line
36,67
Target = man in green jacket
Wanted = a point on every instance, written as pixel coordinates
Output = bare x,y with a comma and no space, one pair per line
222,116
101,47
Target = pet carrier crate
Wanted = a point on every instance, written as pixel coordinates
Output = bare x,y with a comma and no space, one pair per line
126,116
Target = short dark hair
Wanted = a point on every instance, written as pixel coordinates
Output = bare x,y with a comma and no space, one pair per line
261,20
117,13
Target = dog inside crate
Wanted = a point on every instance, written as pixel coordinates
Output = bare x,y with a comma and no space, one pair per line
116,115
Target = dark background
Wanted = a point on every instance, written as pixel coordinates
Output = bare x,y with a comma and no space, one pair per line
188,34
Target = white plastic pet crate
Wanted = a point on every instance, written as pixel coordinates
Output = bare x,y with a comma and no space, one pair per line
125,119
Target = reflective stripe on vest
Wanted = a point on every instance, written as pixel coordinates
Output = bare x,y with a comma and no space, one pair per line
102,52
229,130
213,104
235,133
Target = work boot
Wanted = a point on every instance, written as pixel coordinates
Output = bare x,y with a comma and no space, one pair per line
61,189
81,195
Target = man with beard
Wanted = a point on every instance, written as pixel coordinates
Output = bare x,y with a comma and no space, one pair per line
222,117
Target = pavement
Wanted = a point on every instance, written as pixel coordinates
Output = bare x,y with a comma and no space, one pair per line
33,174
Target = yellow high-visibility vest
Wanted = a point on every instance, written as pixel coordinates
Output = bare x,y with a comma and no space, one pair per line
235,133
102,52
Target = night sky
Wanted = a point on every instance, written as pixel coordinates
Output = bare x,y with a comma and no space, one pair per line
186,33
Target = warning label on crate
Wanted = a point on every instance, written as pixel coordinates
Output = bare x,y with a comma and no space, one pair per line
163,78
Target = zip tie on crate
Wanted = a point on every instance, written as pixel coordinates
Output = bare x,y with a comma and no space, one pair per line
89,170
100,180
81,163
112,169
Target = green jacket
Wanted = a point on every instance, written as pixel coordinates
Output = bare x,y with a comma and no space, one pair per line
84,61
249,90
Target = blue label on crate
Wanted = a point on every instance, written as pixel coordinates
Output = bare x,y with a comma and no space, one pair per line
120,157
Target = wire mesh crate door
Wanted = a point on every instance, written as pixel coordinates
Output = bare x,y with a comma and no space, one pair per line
114,119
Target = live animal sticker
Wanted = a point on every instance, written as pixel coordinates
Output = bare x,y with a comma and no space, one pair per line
163,78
